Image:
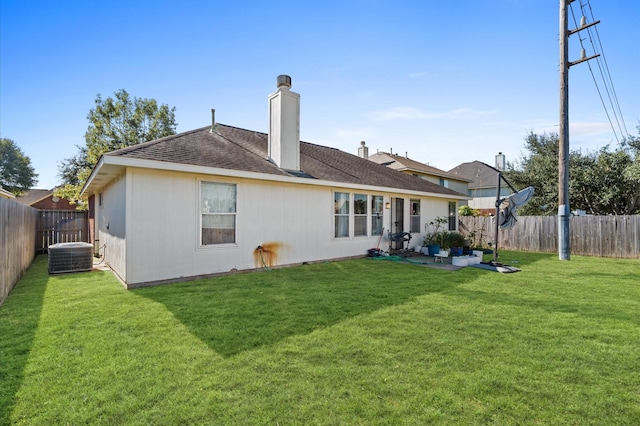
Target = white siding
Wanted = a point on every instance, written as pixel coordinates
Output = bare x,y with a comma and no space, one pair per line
163,225
111,225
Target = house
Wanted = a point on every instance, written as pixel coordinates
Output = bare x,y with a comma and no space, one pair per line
423,171
44,199
484,185
221,199
58,220
6,194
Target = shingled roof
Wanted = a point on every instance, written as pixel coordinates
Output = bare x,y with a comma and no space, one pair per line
482,174
32,196
400,163
237,149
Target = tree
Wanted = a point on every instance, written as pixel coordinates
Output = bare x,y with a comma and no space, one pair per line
540,170
17,174
632,143
602,182
113,124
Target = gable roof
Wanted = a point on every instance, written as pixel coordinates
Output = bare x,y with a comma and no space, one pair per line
32,196
400,163
237,152
481,174
6,194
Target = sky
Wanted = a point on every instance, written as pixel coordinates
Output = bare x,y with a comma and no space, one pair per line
442,82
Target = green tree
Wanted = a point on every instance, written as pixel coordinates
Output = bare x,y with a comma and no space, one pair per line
17,174
601,182
538,169
114,123
632,144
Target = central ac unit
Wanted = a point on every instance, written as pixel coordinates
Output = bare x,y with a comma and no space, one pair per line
70,257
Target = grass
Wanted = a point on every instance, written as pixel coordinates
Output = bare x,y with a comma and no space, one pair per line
355,342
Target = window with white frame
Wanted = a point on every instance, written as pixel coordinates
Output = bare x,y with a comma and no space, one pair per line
217,213
377,204
360,215
414,216
341,214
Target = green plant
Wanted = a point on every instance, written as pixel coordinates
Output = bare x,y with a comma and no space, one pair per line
453,239
435,233
467,211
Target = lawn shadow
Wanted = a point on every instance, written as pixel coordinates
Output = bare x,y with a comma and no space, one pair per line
247,311
19,318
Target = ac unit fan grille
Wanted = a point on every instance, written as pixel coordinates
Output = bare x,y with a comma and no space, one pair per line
70,257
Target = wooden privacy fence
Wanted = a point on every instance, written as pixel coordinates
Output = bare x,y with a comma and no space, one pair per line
603,236
17,248
61,226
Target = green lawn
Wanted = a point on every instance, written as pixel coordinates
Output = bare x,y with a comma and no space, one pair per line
362,342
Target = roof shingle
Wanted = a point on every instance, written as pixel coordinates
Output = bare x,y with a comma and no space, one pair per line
233,148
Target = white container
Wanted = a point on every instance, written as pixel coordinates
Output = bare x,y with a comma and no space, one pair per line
460,261
478,253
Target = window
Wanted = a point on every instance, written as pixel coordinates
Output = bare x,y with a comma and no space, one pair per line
377,205
360,214
414,218
453,219
444,182
341,214
217,213
100,199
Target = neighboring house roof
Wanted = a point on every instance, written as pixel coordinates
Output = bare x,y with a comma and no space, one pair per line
237,152
32,196
405,164
481,174
6,194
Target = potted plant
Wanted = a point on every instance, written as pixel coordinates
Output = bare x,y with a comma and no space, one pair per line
455,241
435,235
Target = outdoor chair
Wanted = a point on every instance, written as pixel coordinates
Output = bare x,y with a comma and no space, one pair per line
399,238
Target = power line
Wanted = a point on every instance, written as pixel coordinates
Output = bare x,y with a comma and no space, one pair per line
606,78
608,73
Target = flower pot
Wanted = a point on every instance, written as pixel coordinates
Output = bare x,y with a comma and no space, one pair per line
433,249
456,251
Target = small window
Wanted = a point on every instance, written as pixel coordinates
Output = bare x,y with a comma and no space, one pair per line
341,214
217,213
414,217
360,215
377,205
100,199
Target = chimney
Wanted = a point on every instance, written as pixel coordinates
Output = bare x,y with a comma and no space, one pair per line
284,126
500,161
363,151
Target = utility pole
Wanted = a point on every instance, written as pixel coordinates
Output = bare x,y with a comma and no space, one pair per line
564,212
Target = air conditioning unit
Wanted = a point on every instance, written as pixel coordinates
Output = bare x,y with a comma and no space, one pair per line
70,257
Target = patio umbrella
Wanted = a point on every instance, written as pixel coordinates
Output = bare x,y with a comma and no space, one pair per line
507,214
506,218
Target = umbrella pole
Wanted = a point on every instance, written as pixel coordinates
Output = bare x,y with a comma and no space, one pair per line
495,219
